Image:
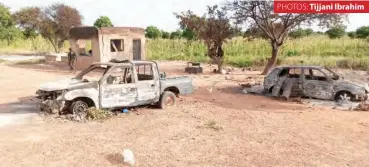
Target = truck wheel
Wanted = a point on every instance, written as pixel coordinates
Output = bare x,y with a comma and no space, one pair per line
344,96
79,109
167,99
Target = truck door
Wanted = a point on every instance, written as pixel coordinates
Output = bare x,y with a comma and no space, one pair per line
147,83
118,88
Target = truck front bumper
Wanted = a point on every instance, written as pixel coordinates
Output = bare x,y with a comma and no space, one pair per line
49,102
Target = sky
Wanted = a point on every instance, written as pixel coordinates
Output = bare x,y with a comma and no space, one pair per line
142,13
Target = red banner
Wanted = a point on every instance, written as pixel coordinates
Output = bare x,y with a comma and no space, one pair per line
293,6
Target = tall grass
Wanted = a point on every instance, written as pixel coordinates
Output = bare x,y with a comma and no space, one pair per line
314,50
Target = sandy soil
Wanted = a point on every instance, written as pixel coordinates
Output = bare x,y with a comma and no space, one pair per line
222,127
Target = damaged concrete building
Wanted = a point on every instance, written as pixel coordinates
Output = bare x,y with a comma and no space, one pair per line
107,43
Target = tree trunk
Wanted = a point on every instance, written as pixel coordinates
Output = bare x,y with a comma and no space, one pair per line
272,61
220,56
53,44
220,64
60,45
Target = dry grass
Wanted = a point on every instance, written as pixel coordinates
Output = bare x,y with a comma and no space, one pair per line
98,114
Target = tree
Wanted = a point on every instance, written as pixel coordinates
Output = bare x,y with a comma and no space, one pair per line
165,35
275,26
52,22
29,33
351,34
5,16
10,34
336,32
362,32
56,21
28,20
152,32
188,34
299,33
309,31
8,31
213,28
254,32
176,34
103,21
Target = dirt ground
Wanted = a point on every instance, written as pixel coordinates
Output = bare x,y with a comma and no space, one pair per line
215,126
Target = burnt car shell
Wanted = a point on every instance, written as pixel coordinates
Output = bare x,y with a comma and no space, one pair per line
327,86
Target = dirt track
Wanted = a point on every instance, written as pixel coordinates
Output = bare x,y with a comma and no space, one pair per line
218,128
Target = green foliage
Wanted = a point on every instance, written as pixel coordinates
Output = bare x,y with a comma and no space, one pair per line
152,32
188,34
10,34
351,34
176,34
103,21
165,35
8,31
299,33
336,32
309,31
362,32
30,33
5,17
313,50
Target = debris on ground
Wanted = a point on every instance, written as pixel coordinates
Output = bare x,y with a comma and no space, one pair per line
128,157
363,106
193,68
98,114
213,125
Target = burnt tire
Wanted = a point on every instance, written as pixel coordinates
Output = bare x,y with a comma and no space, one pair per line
167,99
343,96
79,109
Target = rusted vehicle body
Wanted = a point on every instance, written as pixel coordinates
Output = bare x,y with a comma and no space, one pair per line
113,85
313,82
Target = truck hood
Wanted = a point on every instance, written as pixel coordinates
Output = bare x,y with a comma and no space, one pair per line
63,84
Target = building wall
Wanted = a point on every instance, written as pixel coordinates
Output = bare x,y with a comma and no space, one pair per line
128,36
100,43
84,61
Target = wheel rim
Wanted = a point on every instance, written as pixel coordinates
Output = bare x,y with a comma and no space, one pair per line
169,101
345,97
80,110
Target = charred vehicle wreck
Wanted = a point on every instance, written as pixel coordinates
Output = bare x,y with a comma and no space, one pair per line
313,82
111,85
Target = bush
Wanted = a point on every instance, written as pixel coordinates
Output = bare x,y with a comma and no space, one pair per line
336,32
153,32
351,34
362,32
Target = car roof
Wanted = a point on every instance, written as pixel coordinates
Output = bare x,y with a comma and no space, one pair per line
300,66
127,63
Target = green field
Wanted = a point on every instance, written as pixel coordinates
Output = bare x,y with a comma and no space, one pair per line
315,50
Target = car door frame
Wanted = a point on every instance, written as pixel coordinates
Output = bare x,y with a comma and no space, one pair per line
118,95
316,88
148,90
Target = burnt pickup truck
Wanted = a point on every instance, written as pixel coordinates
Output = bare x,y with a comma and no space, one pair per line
114,84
